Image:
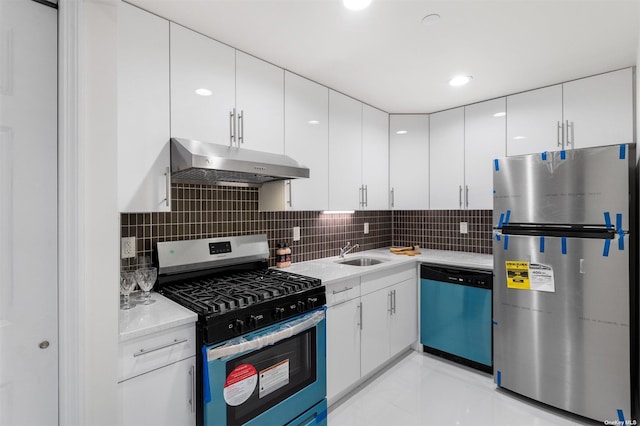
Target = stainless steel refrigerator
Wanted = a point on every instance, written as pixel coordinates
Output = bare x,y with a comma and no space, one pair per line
565,287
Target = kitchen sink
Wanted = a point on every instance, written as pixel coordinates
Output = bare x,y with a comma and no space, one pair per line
360,261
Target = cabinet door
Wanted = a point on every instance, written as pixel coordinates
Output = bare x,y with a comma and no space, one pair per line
375,158
404,319
165,396
260,104
343,347
532,121
446,167
409,161
484,141
202,87
306,140
375,330
345,152
599,110
143,110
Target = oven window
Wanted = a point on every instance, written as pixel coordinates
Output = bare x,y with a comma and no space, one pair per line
282,369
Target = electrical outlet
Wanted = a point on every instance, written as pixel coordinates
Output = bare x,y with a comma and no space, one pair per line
366,227
464,227
128,247
296,233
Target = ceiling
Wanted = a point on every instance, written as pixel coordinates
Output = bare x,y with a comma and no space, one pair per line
386,57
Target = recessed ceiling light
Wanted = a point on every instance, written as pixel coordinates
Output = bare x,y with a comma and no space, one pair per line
431,19
204,92
313,122
401,132
356,4
500,114
460,80
518,137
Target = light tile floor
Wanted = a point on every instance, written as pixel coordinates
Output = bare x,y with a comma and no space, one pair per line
425,390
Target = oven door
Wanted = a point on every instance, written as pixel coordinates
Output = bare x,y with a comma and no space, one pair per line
271,376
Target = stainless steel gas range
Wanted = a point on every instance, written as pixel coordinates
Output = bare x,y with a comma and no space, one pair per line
260,331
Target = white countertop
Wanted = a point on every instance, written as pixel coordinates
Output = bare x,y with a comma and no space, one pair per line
328,270
142,320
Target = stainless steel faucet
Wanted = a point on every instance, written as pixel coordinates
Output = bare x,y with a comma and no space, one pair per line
346,249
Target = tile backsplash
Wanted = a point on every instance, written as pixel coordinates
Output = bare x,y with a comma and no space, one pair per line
202,211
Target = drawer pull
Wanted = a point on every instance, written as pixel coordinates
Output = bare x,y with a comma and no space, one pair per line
342,291
146,351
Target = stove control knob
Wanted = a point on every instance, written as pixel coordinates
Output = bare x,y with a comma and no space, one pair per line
278,313
312,302
254,320
238,326
301,306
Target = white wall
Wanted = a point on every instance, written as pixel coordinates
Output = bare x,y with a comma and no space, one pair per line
97,140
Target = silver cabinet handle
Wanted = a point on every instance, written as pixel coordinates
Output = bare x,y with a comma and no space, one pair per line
360,309
290,200
393,197
343,290
366,196
390,310
167,182
241,127
361,196
460,196
192,399
394,301
560,134
232,127
157,348
466,196
570,140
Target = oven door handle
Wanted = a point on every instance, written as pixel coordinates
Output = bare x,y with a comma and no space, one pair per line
283,331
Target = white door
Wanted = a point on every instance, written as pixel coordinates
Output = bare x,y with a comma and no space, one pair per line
404,319
260,104
203,79
375,158
345,152
533,120
484,141
306,140
446,166
375,329
28,214
599,110
409,161
143,111
343,347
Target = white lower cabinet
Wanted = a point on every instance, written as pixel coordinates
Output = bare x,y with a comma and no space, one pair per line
157,378
370,320
165,396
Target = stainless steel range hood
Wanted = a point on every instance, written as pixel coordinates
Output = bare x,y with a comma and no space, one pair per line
208,163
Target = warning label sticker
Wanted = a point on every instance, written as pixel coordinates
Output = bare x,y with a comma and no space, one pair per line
529,276
517,275
240,384
274,377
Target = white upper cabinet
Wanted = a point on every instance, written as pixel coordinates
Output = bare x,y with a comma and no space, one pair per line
143,111
202,87
446,165
598,110
345,152
588,112
306,140
409,161
375,158
534,121
484,141
259,104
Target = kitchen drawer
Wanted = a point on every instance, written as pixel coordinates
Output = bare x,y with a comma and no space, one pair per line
380,280
143,354
342,291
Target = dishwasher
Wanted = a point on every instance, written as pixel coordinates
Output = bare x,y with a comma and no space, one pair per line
456,314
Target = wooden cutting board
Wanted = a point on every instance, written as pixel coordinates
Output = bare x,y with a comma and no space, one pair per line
407,251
